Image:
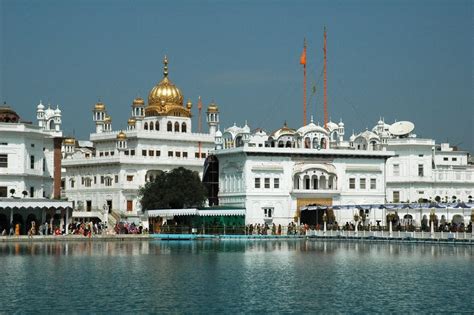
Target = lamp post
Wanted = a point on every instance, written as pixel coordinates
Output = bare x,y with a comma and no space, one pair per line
356,219
432,219
325,218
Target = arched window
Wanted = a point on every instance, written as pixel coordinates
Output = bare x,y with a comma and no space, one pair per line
315,182
152,125
183,127
157,125
169,126
307,143
296,184
280,144
323,182
288,144
315,143
374,145
323,143
176,127
306,182
145,126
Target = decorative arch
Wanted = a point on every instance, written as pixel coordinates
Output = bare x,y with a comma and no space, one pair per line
169,126
152,126
145,126
176,126
183,127
157,125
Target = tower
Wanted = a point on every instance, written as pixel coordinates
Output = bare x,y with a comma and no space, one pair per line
218,140
212,117
68,147
99,114
121,142
40,115
57,119
341,131
138,108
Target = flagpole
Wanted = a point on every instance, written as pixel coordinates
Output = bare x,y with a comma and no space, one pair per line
325,84
304,84
199,123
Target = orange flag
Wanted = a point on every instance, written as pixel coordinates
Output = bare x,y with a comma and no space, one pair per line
303,57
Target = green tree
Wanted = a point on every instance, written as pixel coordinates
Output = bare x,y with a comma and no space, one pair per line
177,189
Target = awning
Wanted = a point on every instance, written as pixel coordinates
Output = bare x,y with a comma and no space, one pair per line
198,212
171,212
27,203
217,212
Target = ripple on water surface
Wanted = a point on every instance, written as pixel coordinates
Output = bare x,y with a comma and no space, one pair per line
236,276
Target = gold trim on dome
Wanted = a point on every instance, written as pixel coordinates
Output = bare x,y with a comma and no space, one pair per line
165,99
108,119
138,102
69,141
99,106
121,136
213,108
131,121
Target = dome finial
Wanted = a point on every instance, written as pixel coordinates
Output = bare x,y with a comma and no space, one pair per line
311,119
165,68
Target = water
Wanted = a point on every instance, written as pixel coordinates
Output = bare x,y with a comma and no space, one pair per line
236,276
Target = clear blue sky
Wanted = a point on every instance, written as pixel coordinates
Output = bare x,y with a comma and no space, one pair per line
403,60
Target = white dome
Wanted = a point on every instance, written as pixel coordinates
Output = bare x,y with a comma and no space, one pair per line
218,133
57,111
341,124
40,106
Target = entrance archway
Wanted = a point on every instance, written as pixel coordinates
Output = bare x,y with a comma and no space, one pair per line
4,223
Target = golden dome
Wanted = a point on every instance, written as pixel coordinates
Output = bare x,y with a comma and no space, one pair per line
165,98
108,119
189,105
138,102
99,106
69,141
121,136
212,108
131,121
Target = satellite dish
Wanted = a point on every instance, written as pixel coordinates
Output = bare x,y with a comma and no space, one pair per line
401,128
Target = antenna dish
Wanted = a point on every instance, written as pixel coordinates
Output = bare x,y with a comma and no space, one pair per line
401,128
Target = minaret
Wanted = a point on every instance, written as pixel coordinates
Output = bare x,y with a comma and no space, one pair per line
121,142
69,145
99,116
341,131
40,115
213,117
138,108
57,119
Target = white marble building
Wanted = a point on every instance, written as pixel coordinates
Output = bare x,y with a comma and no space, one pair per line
108,170
276,176
30,170
27,153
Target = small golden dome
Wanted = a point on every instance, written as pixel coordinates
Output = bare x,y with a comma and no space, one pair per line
69,141
121,136
138,102
108,119
189,104
131,121
99,106
213,108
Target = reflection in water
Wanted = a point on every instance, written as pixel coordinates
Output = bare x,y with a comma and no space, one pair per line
230,276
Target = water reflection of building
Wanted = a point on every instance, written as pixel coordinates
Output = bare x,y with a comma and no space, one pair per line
30,169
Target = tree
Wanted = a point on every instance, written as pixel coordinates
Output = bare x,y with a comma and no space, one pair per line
177,189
